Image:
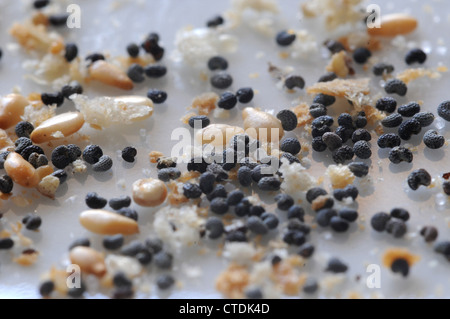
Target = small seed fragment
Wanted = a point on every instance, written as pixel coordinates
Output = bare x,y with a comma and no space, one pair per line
67,124
106,223
149,192
110,74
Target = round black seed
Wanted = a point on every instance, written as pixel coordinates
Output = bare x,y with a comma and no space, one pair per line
387,104
392,120
61,157
294,237
443,248
446,187
61,175
419,177
215,22
6,184
318,145
400,213
217,63
306,250
133,50
324,216
242,209
362,150
235,197
150,45
332,140
359,169
221,80
203,121
325,100
245,95
296,212
72,88
227,101
270,220
32,221
165,281
295,224
348,214
92,154
379,221
24,129
433,139
396,86
257,226
284,201
401,266
380,68
245,176
52,98
348,191
154,244
218,191
396,227
415,55
121,280
74,152
21,143
285,38
219,206
361,120
409,110
3,157
26,153
129,153
113,242
389,140
444,110
343,154
424,118
339,224
206,182
316,110
77,292
291,145
6,243
71,52
58,20
94,201
311,286
269,184
361,55
334,46
345,120
80,242
408,128
95,57
429,233
39,4
191,191
144,257
294,81
400,154
46,288
328,77
288,120
215,227
315,192
361,135
157,96
136,73
335,265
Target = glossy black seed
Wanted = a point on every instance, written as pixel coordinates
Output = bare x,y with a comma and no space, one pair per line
197,164
61,157
285,38
144,257
6,243
328,77
72,88
155,71
192,191
291,145
348,191
236,236
443,248
294,81
245,95
221,80
235,197
401,266
396,227
74,152
80,242
121,280
339,224
396,86
400,213
446,187
348,214
324,216
361,135
270,220
334,46
269,184
215,21
104,164
129,153
409,128
295,224
336,266
95,57
215,227
165,281
288,120
387,104
52,98
217,63
32,221
433,140
132,248
219,206
206,182
71,52
157,96
316,110
315,192
294,237
6,184
429,233
203,121
381,68
46,288
39,4
444,110
400,154
58,20
257,226
92,154
117,203
379,221
332,140
150,45
136,73
343,154
409,110
359,169
419,177
113,242
284,201
389,140
154,244
311,286
61,175
95,201
415,55
133,50
227,101
318,145
392,120
424,118
362,149
361,55
296,212
306,250
242,209
325,100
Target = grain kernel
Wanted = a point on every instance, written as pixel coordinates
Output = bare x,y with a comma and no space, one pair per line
149,192
393,25
20,171
110,74
261,125
89,260
106,223
218,134
66,123
11,109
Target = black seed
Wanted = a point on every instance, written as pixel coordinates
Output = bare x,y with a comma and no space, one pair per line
361,55
95,57
345,133
348,214
269,184
133,50
387,104
446,187
77,292
392,120
284,201
167,174
165,281
362,149
316,110
315,192
408,128
348,191
192,191
6,184
150,45
21,143
113,242
245,176
334,46
359,169
318,132
236,236
52,98
3,157
245,95
343,154
311,286
324,216
396,86
254,293
400,213
117,203
61,175
155,71
328,77
121,280
215,227
227,101
294,237
325,100
389,140
332,140
94,201
288,120
424,118
218,191
339,224
270,220
144,257
202,120
197,164
129,153
157,96
380,68
46,288
32,221
154,244
37,160
80,242
39,4
217,63
72,88
26,153
92,154
221,80
409,110
136,73
58,20
61,157
429,233
235,197
71,52
419,177
219,206
361,135
318,145
345,120
444,110
215,22
242,209
396,227
294,81
257,226
379,221
415,55
322,121
361,120
433,140
291,145
335,265
306,250
132,248
296,212
104,164
6,243
285,38
443,248
401,266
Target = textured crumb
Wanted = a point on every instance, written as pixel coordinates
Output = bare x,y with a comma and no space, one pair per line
412,74
48,186
339,64
296,179
340,176
205,103
232,282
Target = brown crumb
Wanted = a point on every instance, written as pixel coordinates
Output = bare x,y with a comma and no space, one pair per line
373,115
232,282
174,197
187,176
303,115
412,74
341,88
185,118
320,202
27,258
154,156
339,64
39,18
393,254
446,176
285,275
204,103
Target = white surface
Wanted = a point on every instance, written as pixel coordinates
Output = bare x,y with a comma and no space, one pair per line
104,29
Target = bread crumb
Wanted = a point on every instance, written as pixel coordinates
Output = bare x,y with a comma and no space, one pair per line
340,176
303,115
232,282
27,257
204,103
154,156
48,186
341,88
412,74
339,64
